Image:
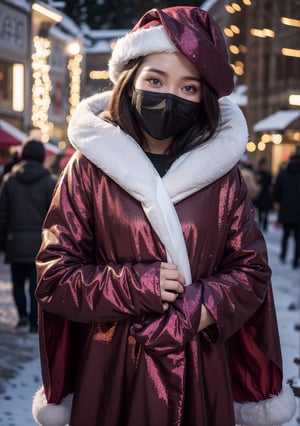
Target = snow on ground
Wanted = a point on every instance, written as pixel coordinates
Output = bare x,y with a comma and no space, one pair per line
19,362
15,406
19,352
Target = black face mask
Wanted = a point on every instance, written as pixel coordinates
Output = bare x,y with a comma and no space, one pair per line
163,115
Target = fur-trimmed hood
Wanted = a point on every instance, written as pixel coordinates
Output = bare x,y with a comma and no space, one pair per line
108,147
121,158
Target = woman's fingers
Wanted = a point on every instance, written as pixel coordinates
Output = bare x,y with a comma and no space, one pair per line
165,306
171,283
168,296
169,271
165,265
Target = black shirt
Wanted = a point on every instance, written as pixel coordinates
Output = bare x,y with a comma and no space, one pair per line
161,162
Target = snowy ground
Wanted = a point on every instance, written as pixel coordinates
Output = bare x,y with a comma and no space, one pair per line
19,362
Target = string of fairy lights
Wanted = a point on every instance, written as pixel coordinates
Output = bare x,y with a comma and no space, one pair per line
41,89
74,67
41,86
232,32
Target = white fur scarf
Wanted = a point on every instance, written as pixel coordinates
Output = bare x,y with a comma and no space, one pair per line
121,158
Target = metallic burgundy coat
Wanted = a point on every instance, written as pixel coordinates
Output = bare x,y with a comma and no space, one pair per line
104,336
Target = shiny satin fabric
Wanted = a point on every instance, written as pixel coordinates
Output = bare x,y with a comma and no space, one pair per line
104,335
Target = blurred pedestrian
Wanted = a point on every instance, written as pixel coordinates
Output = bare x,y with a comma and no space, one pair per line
14,159
247,171
287,195
264,200
156,304
25,196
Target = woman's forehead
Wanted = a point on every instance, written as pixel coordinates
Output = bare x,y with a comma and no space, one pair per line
170,63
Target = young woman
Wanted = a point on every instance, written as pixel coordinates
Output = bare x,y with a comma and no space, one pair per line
156,306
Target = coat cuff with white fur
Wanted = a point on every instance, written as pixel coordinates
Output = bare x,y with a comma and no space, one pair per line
274,411
46,414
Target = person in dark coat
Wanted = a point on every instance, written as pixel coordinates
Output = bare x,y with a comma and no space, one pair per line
25,196
264,201
287,195
14,159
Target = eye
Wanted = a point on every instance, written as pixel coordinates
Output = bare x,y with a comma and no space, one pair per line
153,81
191,89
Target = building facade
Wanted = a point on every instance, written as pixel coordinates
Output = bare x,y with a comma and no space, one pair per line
263,40
40,78
15,63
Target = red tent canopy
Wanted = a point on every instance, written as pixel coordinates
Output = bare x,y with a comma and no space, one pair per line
10,135
7,140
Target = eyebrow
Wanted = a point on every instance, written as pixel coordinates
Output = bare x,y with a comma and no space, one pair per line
158,71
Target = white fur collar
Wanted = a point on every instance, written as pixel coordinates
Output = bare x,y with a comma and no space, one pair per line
108,146
121,158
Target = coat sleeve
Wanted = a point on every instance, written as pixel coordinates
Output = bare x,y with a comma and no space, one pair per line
71,284
232,295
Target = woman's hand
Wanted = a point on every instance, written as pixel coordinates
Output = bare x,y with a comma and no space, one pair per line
171,283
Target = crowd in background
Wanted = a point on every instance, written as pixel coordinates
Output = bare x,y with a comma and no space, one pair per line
279,194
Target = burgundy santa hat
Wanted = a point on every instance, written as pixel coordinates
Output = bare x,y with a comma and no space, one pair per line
186,29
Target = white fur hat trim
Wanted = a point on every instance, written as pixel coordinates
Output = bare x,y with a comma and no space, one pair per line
138,43
46,414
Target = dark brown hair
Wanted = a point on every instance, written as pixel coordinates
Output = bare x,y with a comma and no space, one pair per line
119,111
